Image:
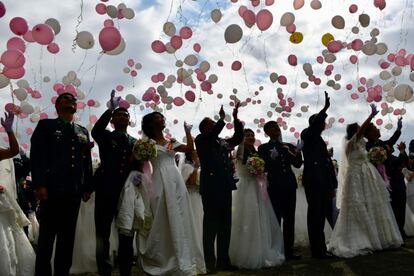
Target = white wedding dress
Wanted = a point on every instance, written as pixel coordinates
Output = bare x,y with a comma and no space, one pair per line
17,257
171,246
256,238
409,210
366,221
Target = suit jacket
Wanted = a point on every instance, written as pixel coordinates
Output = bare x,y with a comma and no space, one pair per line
60,157
216,168
115,151
278,167
318,170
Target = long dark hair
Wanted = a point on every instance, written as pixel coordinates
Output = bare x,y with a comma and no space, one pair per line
248,151
351,129
147,124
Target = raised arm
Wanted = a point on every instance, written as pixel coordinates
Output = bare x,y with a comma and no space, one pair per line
99,129
394,138
238,135
13,149
321,116
361,131
189,147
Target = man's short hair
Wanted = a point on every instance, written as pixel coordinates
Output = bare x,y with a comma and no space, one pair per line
120,109
63,95
270,124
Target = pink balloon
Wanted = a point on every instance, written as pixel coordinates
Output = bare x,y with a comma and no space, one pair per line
354,96
297,135
229,125
161,76
108,22
249,18
291,28
201,76
380,4
134,73
120,14
328,72
158,46
236,65
178,101
186,32
361,89
100,8
341,120
391,57
80,105
297,4
28,36
241,10
91,103
282,79
384,65
148,95
293,60
36,94
109,38
402,52
18,25
93,119
43,116
357,44
334,46
400,60
2,9
397,111
255,3
53,48
176,42
317,81
119,88
16,43
349,86
363,80
353,59
312,78
292,129
190,96
264,19
379,122
412,64
13,59
58,86
154,78
29,131
319,59
269,2
206,86
43,34
9,107
130,62
197,47
353,8
124,104
14,73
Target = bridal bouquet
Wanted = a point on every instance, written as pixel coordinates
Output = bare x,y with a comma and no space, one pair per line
255,165
377,155
145,149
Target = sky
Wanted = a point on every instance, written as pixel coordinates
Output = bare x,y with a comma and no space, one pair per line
260,53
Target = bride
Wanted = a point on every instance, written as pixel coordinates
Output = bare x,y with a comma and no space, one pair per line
171,246
366,221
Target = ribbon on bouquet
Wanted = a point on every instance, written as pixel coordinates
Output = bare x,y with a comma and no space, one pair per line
147,173
383,172
262,185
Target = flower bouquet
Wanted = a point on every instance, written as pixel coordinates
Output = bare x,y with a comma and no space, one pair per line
255,165
145,149
377,155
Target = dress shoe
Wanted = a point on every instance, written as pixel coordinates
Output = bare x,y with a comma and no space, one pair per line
227,267
293,257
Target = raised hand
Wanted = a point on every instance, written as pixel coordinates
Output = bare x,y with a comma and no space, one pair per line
327,101
374,110
299,145
221,113
187,127
399,123
236,110
7,123
114,101
401,146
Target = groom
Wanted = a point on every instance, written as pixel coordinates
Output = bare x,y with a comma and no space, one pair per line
319,181
216,186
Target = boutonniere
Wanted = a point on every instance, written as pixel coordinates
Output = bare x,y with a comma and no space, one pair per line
82,137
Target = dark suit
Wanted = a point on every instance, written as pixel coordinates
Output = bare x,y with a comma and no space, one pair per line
115,149
282,186
216,186
319,181
61,161
393,166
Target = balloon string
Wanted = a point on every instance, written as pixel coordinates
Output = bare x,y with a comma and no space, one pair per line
83,62
40,67
54,68
171,7
95,73
79,21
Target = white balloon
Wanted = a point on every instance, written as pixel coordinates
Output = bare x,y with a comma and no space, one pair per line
128,13
273,77
97,104
22,83
212,78
396,71
316,4
188,81
4,81
385,75
20,94
216,15
167,84
287,19
338,22
81,95
112,11
304,85
204,66
77,82
170,49
27,108
34,118
374,32
121,6
71,76
370,83
364,20
131,99
171,78
126,70
337,77
337,86
330,83
233,33
355,30
388,126
330,58
118,50
304,109
369,48
169,28
191,60
65,80
138,66
403,111
85,40
403,92
54,24
46,79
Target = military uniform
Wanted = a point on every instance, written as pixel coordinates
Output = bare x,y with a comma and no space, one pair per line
282,186
115,149
60,161
216,186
